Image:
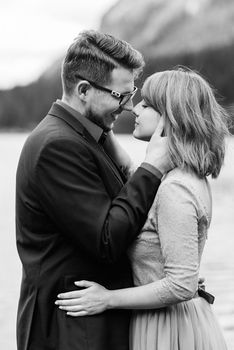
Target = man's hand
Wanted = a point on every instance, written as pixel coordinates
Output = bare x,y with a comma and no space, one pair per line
157,153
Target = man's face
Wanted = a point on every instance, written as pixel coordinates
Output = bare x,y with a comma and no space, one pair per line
103,108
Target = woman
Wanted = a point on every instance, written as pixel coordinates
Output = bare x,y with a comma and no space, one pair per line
169,314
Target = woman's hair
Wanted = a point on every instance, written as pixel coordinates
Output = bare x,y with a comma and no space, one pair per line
195,123
94,55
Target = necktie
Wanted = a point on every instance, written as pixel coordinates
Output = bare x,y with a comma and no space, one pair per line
102,138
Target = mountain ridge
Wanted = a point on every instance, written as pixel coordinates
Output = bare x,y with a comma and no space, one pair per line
198,34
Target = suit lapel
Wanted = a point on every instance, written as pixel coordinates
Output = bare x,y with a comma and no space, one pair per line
60,112
115,169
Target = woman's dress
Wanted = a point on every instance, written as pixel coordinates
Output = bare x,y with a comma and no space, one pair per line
168,253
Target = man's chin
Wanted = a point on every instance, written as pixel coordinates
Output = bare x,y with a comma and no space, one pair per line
108,128
105,128
110,125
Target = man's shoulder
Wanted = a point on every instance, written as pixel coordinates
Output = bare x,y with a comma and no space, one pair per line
53,134
52,129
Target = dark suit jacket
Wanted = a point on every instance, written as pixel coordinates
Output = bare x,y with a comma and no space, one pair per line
75,219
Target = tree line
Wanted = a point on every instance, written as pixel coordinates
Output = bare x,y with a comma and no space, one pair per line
24,107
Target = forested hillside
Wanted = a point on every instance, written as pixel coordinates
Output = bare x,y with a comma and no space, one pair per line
195,33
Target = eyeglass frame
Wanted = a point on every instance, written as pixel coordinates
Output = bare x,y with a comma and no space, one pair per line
113,93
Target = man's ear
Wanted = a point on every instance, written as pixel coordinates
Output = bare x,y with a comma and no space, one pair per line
83,88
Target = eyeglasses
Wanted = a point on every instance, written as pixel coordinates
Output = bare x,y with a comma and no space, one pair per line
123,98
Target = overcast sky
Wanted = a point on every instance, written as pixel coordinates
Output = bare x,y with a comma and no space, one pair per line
36,32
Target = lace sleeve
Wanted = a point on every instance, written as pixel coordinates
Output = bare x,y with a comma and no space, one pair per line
177,223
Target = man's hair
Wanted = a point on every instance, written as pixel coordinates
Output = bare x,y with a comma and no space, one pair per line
94,55
195,123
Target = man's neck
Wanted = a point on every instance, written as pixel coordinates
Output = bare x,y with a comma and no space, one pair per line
73,104
92,128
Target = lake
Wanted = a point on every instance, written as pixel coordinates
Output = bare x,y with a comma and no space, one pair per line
218,259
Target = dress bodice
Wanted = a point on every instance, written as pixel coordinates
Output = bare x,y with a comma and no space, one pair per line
168,250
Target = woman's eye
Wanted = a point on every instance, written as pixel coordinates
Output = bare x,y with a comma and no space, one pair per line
144,105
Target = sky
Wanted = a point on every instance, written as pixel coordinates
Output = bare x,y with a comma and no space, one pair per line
34,33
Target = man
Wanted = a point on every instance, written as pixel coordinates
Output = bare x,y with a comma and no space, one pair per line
76,213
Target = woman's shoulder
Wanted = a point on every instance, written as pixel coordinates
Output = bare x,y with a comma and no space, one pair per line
185,178
181,185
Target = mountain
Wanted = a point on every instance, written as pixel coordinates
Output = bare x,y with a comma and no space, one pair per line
171,27
195,33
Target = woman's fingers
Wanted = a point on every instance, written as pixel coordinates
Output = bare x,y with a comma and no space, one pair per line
71,295
76,293
73,308
77,314
88,301
84,283
67,302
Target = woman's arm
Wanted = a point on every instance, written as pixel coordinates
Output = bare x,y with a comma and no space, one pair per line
177,229
95,299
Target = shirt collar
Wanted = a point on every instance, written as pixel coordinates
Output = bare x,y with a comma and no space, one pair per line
94,130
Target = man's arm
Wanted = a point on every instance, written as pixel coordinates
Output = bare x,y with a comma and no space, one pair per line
73,194
156,159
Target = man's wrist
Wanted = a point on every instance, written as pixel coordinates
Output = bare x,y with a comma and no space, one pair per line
152,169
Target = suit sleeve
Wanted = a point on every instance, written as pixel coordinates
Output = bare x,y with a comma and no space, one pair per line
73,194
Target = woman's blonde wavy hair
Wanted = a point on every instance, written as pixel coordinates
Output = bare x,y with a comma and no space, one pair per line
195,123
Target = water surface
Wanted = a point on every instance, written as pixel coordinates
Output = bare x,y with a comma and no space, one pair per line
218,259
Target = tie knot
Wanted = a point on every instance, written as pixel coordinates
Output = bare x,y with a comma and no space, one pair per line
102,138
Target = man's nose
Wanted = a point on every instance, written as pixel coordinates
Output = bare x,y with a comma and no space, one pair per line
128,106
136,110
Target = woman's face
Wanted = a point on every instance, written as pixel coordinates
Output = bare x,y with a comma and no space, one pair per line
146,121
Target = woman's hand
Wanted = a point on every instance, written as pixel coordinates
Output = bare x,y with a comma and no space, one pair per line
93,299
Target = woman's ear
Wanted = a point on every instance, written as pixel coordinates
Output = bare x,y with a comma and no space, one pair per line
83,88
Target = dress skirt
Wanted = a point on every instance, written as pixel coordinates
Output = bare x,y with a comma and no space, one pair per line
189,325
